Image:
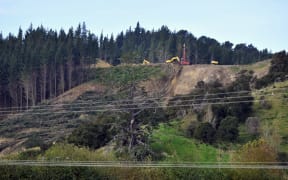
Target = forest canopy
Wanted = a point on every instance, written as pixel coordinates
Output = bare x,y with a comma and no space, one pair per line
41,63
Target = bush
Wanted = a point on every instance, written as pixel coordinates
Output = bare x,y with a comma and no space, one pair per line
228,129
192,128
91,135
34,141
205,132
278,70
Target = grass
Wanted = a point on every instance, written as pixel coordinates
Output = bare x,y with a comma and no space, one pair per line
120,75
169,141
258,66
73,153
275,118
244,136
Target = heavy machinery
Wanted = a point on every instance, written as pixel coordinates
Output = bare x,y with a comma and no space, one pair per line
182,61
214,62
173,60
146,61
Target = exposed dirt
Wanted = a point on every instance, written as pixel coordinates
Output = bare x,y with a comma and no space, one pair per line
100,64
186,81
13,146
162,86
74,93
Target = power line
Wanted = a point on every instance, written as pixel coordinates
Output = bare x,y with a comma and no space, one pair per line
134,103
105,109
148,98
133,164
124,100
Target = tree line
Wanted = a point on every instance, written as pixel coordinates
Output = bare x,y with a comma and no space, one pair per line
39,64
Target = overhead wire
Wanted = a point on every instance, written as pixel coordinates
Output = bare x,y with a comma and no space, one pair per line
128,106
105,109
149,98
141,164
124,100
135,101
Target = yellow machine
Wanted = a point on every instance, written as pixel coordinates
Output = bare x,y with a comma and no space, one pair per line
173,60
214,62
145,61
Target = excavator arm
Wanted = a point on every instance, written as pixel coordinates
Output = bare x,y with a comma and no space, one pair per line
146,61
173,60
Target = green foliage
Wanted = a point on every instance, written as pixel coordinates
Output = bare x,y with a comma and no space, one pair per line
69,152
205,132
58,61
34,141
30,154
152,116
257,151
171,143
225,105
240,110
228,129
278,70
197,173
92,135
191,128
60,152
273,120
123,75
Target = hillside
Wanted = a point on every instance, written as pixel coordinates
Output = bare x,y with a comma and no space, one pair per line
56,118
154,112
190,75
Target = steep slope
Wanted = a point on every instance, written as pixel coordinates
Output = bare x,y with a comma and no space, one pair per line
57,118
190,75
45,123
186,80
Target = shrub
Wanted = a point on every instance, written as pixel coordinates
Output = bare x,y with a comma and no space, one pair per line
192,128
205,132
228,129
91,135
278,70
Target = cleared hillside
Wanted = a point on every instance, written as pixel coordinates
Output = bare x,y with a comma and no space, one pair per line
187,79
56,119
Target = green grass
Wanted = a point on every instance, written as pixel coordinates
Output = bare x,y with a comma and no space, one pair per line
120,75
255,66
169,141
275,118
244,136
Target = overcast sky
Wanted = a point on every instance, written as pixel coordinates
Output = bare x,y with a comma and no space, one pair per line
263,23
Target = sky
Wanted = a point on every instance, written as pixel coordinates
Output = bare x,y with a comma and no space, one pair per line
263,23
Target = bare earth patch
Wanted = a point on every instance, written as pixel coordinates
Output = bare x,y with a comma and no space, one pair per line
190,75
74,93
100,64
